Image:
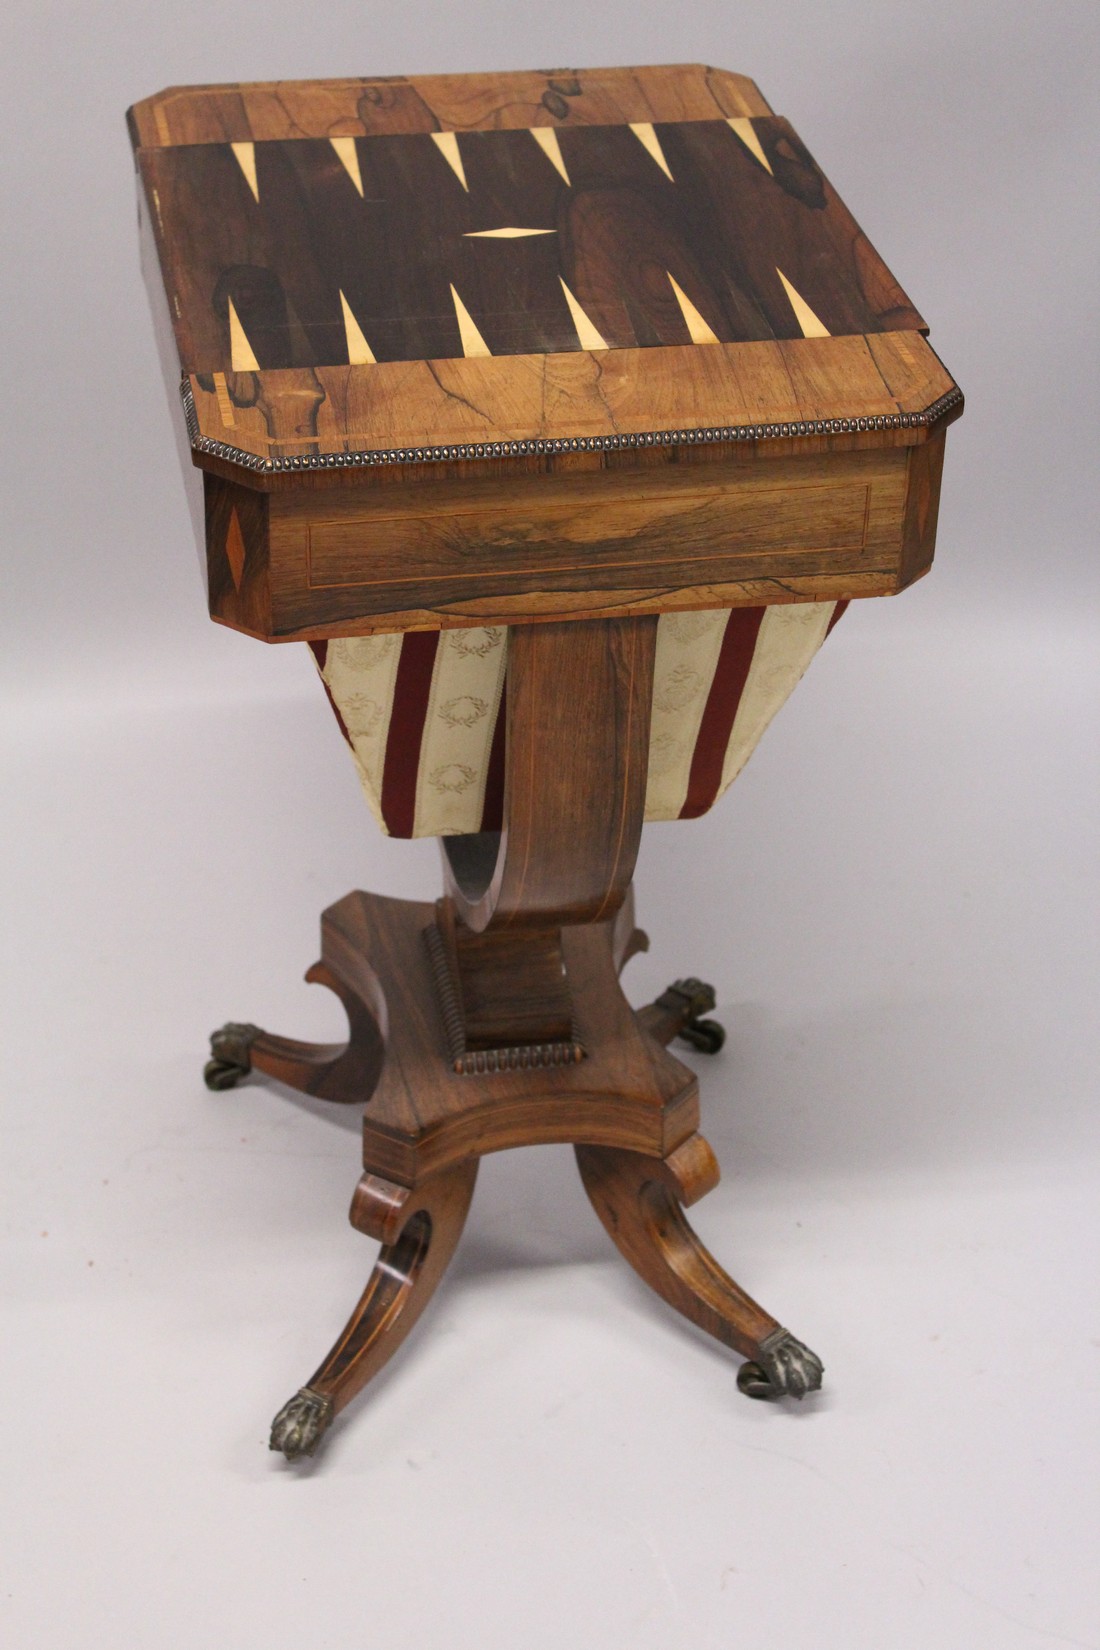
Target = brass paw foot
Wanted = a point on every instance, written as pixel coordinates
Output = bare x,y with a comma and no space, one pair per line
300,1424
782,1368
688,1000
230,1055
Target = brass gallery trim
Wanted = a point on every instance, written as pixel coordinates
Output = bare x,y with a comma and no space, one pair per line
565,444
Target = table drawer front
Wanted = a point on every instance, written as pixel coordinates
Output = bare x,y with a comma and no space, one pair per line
507,545
411,556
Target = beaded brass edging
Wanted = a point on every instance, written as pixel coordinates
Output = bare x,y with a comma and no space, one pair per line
576,444
477,1062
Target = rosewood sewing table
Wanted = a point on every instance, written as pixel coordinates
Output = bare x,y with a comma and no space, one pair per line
562,414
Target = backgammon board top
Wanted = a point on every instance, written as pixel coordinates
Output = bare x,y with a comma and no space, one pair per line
494,266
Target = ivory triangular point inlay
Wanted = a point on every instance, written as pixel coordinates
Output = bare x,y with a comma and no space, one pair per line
234,548
348,156
225,405
472,341
359,351
246,160
697,327
651,143
745,130
241,354
447,144
590,337
547,140
803,314
503,234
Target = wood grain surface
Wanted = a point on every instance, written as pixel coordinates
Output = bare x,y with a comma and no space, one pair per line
297,254
574,788
628,1105
761,527
638,1202
530,347
424,1117
486,268
528,350
359,107
868,391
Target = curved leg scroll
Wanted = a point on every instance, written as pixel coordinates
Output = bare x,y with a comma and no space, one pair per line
344,1072
639,1199
419,1229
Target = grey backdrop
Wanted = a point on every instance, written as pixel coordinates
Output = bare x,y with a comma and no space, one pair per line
897,904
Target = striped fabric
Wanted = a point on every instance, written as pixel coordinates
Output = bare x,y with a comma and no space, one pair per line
424,713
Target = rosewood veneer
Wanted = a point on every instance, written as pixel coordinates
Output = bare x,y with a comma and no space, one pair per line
563,414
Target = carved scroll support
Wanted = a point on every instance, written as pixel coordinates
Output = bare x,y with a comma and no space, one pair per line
346,1072
639,1200
419,1228
579,699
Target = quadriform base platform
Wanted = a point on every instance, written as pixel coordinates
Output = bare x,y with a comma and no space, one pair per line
563,415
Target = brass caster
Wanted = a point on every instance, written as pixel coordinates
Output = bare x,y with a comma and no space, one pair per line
783,1368
706,1036
219,1075
230,1056
752,1381
690,999
301,1424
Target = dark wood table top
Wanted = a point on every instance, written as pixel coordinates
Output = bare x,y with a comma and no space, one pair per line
364,272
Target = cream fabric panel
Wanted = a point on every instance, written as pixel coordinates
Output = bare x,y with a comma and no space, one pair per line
464,701
688,645
789,637
458,730
360,673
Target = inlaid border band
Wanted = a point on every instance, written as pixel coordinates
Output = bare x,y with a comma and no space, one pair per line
562,444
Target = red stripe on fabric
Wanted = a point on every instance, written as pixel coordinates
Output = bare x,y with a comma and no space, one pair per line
336,711
730,676
492,809
838,613
406,731
320,653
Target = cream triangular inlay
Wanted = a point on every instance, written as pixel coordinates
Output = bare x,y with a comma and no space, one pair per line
472,341
697,327
241,354
225,404
803,314
348,156
447,144
503,234
743,127
246,160
651,143
590,337
360,353
547,140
